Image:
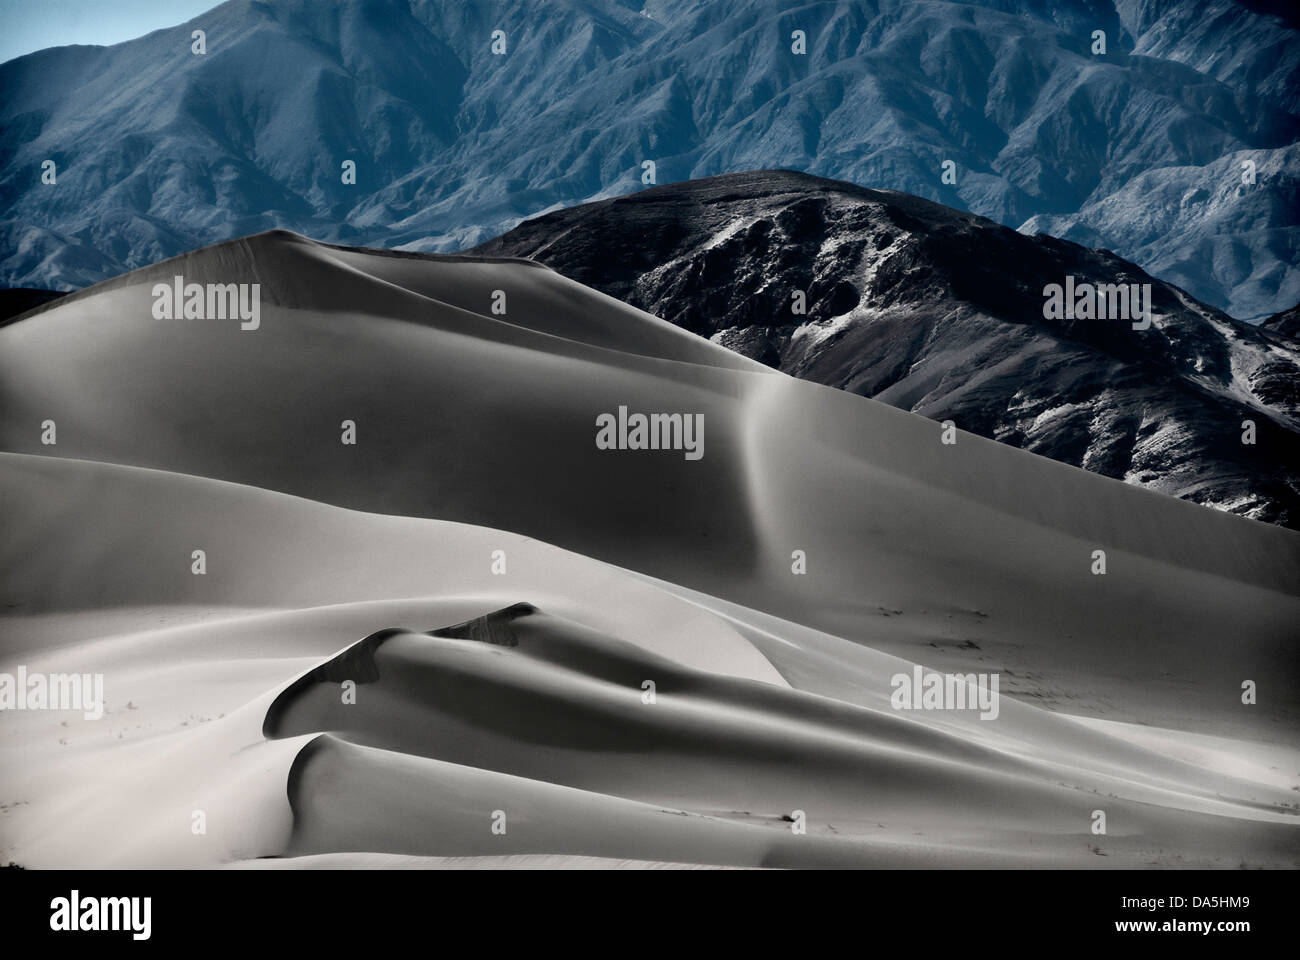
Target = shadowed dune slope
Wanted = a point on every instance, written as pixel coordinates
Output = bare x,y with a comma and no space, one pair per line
962,554
521,700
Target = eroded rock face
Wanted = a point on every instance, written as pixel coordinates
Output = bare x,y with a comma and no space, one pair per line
941,312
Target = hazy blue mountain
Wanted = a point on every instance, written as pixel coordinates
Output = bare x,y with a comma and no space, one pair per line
941,312
159,150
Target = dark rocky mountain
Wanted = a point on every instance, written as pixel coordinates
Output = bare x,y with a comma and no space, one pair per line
942,312
1140,150
1286,323
21,299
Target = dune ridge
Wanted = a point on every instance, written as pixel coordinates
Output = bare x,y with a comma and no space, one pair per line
508,707
518,688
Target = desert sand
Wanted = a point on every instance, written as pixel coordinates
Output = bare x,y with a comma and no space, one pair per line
500,715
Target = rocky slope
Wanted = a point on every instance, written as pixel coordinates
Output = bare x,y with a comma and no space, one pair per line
1286,323
942,313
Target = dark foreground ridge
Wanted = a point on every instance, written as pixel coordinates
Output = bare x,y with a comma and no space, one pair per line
21,299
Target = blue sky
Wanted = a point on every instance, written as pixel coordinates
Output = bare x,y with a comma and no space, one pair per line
27,25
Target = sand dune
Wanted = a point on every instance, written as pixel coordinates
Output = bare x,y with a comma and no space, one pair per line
374,562
508,706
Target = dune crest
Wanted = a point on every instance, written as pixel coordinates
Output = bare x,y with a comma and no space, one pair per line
500,590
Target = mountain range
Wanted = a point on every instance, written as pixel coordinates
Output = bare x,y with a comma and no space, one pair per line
1140,149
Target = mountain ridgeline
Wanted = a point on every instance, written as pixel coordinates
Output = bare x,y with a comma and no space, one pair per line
1177,145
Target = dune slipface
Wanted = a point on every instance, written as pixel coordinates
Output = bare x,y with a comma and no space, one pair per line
477,630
